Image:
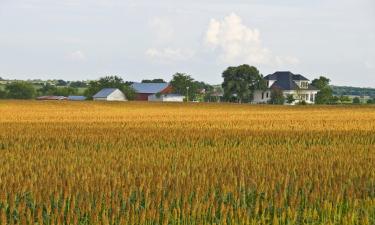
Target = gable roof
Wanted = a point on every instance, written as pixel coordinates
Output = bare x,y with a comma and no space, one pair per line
105,92
149,88
285,80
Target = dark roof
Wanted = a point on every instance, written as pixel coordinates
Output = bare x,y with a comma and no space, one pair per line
285,80
149,88
278,74
285,84
299,77
104,92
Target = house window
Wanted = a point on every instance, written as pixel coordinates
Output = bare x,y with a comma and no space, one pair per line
311,97
267,95
304,84
262,95
304,97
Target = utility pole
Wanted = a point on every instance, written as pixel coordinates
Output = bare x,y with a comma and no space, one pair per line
187,94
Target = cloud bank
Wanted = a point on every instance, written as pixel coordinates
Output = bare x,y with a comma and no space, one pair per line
236,43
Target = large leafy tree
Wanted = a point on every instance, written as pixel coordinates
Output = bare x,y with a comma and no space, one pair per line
20,90
277,97
241,81
110,82
77,84
61,83
59,91
154,81
184,84
325,93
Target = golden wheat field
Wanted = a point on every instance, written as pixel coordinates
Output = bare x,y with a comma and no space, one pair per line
152,163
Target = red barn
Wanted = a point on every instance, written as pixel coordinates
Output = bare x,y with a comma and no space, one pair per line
144,90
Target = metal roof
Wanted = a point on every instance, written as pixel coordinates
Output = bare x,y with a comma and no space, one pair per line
76,98
149,88
105,92
51,98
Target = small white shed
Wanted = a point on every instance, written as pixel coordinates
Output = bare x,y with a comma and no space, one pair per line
166,98
109,94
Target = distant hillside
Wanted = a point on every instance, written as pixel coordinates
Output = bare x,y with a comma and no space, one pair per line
345,90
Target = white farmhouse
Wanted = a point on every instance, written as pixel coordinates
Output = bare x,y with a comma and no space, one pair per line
290,84
109,94
166,98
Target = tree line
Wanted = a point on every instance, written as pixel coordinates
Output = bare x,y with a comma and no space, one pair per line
239,85
182,84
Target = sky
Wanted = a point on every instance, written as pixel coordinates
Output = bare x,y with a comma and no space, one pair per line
144,39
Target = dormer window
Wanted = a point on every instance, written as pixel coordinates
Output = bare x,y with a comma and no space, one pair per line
304,84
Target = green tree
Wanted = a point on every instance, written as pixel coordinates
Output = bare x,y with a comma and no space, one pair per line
344,99
241,81
335,100
61,83
110,82
356,100
277,97
184,84
324,95
3,94
65,91
290,99
154,81
20,90
47,89
77,84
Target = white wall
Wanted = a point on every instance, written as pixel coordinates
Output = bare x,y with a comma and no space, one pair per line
259,100
117,95
258,96
309,96
100,99
270,82
166,98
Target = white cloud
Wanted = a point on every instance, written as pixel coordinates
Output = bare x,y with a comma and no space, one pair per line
77,56
168,55
238,43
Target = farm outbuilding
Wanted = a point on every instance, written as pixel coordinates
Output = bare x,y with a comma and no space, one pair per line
52,98
144,90
109,94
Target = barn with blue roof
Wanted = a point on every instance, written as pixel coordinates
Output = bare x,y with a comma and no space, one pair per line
144,90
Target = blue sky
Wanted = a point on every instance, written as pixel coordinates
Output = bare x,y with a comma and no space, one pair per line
86,39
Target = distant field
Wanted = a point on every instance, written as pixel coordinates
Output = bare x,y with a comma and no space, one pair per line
151,163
